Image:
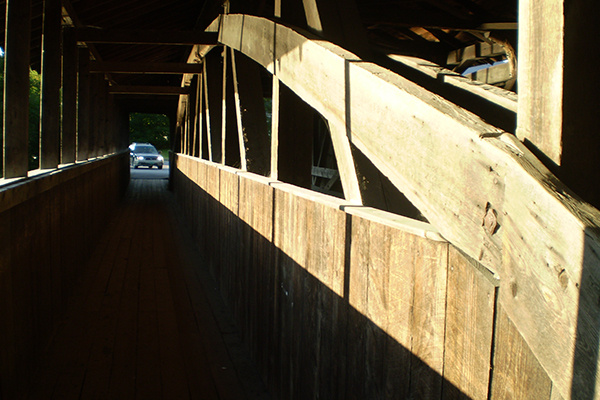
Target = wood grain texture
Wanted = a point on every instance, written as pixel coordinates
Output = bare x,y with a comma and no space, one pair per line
540,118
256,211
516,374
7,347
51,86
469,329
16,89
447,153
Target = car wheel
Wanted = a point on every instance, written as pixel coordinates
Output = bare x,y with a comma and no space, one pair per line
160,167
136,167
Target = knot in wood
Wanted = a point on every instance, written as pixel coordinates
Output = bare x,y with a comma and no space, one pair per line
490,220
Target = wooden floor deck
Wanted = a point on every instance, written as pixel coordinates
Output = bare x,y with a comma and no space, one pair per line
147,322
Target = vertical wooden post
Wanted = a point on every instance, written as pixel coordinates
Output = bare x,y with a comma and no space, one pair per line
16,88
540,60
207,112
214,81
190,126
557,112
184,131
275,108
200,113
224,107
83,109
238,114
197,146
275,128
181,127
50,86
277,9
69,109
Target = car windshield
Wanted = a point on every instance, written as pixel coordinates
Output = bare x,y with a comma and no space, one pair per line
146,150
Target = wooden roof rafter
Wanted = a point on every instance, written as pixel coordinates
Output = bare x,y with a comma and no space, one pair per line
144,68
137,36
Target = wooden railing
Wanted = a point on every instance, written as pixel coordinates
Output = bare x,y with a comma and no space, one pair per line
488,195
341,301
49,226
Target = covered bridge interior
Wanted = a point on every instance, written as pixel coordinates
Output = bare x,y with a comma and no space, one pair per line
388,199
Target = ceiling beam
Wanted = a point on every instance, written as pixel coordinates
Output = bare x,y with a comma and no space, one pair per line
144,68
131,36
154,90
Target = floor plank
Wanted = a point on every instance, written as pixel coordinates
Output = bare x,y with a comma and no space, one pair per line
141,324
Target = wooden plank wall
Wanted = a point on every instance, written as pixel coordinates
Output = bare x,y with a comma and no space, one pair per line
347,302
48,226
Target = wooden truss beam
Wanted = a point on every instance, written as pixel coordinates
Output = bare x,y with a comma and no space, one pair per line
130,36
144,68
484,191
152,90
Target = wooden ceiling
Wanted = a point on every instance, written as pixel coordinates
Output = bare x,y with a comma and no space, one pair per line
430,29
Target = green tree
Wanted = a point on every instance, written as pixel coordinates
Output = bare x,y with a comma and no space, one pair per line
149,128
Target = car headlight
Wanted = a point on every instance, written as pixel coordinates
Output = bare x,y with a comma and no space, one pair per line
140,157
160,158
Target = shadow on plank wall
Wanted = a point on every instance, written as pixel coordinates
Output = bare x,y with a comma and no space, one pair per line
307,337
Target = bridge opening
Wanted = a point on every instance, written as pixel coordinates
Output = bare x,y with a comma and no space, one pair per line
151,128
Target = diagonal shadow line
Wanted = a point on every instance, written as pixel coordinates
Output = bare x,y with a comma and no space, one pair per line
306,339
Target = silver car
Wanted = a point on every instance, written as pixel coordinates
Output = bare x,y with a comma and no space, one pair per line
145,155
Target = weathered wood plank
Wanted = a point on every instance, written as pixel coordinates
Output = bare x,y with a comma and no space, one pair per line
406,304
428,319
540,105
469,329
532,219
173,373
378,314
213,90
238,113
256,211
98,365
8,377
207,113
275,129
286,275
51,85
198,116
229,253
502,98
148,380
123,371
357,296
16,89
224,107
400,299
517,374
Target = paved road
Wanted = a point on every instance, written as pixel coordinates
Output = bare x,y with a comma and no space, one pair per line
151,173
